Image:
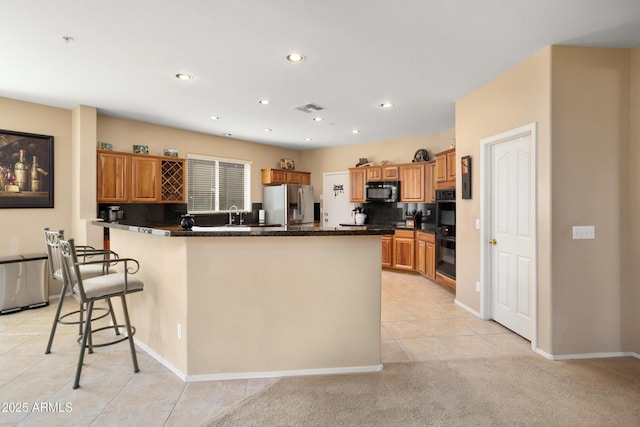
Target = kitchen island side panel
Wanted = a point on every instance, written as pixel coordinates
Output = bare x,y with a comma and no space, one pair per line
278,304
162,305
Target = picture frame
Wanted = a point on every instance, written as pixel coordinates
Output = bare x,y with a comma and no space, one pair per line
465,173
26,170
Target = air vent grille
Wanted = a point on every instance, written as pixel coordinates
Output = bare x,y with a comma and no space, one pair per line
309,108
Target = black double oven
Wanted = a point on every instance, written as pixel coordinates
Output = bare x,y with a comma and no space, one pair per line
446,233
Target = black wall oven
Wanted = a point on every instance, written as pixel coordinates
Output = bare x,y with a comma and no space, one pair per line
446,232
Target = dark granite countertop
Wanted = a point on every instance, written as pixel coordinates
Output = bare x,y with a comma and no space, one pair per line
243,231
425,228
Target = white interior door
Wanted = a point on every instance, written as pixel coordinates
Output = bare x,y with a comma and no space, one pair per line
510,207
336,208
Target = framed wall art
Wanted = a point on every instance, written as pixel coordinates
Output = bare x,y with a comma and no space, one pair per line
465,170
26,170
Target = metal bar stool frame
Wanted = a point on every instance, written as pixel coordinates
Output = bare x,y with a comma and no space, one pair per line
52,239
87,291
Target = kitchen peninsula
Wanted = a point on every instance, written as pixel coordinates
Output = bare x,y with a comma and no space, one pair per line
256,302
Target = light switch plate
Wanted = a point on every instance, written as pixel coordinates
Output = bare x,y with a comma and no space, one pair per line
477,224
584,232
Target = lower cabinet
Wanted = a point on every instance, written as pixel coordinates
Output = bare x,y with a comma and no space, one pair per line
412,251
387,251
426,254
404,250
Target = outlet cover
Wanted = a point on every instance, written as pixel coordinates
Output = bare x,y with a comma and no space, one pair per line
584,232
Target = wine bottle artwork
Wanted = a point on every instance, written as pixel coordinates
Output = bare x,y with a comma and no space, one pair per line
26,170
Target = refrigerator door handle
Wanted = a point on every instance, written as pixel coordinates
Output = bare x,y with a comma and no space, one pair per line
301,203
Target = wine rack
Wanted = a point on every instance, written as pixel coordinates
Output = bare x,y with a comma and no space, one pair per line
173,181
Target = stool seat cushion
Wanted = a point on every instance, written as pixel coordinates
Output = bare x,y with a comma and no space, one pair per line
87,271
109,284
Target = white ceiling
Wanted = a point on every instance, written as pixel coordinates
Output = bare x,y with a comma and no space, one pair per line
422,55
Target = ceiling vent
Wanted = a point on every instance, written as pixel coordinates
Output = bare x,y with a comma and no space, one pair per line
309,108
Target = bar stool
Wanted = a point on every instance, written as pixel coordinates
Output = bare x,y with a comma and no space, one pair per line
87,291
52,239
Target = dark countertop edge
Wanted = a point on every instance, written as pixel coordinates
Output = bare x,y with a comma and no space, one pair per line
175,231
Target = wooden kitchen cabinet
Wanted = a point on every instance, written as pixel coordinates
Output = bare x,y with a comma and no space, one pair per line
390,173
280,176
113,177
430,182
387,251
357,179
426,254
145,180
412,182
446,169
134,178
374,173
404,250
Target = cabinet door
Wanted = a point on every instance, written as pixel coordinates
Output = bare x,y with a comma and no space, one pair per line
404,253
421,253
430,184
387,251
430,260
294,178
306,178
412,185
145,179
113,171
451,166
441,167
356,185
374,174
390,173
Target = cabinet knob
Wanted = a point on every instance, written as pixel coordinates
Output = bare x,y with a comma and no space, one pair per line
493,242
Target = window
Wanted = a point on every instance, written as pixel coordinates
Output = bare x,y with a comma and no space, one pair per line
215,184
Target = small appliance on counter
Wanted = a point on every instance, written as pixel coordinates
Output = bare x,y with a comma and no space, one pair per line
114,213
413,219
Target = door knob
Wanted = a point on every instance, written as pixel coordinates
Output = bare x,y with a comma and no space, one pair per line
493,242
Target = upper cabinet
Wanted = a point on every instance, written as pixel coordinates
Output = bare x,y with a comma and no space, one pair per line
113,177
412,182
134,178
446,169
357,179
280,176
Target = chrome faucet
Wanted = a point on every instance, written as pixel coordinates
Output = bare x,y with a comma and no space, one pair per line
231,218
241,218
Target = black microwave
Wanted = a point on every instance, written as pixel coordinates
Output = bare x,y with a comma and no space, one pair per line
382,191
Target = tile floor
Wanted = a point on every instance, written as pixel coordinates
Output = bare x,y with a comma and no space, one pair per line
419,322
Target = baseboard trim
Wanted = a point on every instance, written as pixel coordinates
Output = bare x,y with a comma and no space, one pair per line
161,360
466,307
291,373
582,356
252,375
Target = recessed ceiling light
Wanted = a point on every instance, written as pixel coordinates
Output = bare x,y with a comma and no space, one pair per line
215,118
317,119
386,105
264,101
295,57
268,130
307,139
355,131
182,76
226,134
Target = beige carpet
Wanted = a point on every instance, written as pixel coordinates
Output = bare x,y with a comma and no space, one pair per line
507,391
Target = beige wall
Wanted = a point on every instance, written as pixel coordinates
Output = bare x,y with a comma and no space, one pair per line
631,290
590,137
579,98
518,97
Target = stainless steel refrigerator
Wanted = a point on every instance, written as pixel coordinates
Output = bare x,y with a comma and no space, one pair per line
288,204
